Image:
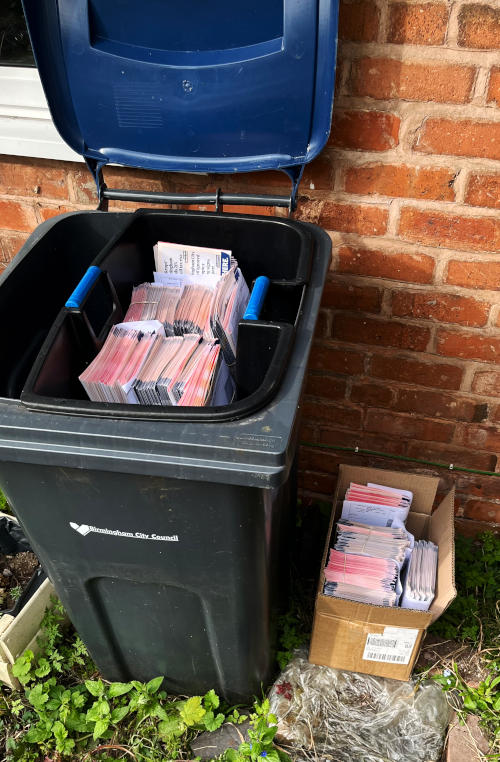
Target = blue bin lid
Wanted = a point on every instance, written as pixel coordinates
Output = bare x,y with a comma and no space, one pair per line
191,86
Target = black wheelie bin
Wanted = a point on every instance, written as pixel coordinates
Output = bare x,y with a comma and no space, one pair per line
165,530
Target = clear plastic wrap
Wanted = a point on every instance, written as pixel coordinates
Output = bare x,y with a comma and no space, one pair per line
328,714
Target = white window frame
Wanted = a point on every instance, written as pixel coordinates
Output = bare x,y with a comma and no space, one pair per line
26,127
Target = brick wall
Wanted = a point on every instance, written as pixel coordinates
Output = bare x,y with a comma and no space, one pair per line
406,359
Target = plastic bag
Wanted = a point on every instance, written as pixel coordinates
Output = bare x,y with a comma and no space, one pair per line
328,714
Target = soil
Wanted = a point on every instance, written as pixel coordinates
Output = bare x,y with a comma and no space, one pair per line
438,654
15,573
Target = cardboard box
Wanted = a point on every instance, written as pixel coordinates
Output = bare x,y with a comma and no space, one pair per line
379,640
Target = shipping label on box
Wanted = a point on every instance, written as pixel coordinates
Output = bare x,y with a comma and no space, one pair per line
395,645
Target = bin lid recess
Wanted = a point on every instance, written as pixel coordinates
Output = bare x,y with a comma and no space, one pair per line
189,86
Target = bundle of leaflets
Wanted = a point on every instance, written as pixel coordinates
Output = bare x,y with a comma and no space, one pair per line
376,505
214,292
178,338
110,377
420,582
365,563
150,369
373,551
151,301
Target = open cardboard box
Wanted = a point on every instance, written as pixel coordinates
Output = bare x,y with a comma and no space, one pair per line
380,640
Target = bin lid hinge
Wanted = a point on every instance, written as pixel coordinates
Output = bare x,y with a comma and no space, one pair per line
218,199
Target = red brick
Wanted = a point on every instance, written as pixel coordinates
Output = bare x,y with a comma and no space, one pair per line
477,485
481,510
308,432
319,484
319,173
388,333
439,405
341,295
408,427
349,218
322,328
439,229
470,346
481,438
459,137
482,275
362,439
358,21
479,27
47,212
331,358
365,130
332,436
494,86
449,454
487,382
413,268
386,78
375,395
32,177
443,308
401,181
326,386
484,190
419,24
10,243
17,216
436,375
317,459
329,413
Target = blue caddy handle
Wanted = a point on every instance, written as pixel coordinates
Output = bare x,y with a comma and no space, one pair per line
83,288
259,291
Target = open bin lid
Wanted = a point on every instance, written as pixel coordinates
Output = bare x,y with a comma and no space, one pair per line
189,87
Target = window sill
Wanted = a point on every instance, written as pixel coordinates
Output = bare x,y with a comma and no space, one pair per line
26,127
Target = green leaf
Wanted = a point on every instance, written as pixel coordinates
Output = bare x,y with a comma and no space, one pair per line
38,734
272,756
94,687
211,700
37,697
94,713
469,703
213,723
159,712
154,685
244,748
192,712
171,727
77,699
118,714
269,734
119,689
496,705
100,728
66,747
43,668
59,731
231,755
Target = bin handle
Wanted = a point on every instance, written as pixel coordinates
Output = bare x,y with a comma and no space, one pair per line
259,291
79,294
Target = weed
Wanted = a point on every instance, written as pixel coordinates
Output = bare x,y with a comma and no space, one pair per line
67,712
260,747
483,701
473,615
